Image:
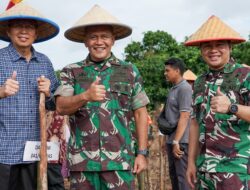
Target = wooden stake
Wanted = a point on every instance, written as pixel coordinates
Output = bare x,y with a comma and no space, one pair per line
42,182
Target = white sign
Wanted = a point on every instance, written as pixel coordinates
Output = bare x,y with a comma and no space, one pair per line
32,151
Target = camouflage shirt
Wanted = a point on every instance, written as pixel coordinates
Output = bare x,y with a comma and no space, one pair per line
103,133
224,138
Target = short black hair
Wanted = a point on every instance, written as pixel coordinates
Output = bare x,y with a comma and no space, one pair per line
177,64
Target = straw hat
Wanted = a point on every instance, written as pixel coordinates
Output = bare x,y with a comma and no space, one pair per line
189,75
97,16
46,28
214,29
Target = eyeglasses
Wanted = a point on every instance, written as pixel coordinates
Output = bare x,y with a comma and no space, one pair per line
27,26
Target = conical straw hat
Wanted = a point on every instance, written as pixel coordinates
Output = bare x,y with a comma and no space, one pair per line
214,29
46,28
97,16
189,75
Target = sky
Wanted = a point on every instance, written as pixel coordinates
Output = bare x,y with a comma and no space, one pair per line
179,18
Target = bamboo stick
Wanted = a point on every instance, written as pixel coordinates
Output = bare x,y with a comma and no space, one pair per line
42,182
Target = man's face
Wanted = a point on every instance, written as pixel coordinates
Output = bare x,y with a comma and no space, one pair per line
171,73
99,41
22,33
216,53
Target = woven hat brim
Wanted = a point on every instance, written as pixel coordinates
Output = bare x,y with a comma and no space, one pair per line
198,42
46,29
77,33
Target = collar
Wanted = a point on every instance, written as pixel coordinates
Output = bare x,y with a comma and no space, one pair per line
112,60
180,83
15,56
228,68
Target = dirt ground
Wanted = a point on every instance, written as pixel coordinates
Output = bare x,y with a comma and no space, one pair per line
156,177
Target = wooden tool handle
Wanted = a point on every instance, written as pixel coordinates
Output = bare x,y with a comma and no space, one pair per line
42,183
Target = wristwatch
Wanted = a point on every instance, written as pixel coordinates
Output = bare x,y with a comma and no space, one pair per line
233,108
144,152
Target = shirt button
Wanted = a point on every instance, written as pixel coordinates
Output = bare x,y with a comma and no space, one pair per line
30,126
30,97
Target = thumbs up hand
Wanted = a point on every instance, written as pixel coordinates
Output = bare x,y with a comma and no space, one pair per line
96,91
97,80
14,74
10,87
220,102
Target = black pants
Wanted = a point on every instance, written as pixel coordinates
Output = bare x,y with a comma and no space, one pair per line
55,178
18,177
24,177
177,168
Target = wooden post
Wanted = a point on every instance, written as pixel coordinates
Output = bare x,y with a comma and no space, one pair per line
141,180
42,182
162,161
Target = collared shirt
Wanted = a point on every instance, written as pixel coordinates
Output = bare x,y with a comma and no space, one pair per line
103,133
224,138
179,100
19,114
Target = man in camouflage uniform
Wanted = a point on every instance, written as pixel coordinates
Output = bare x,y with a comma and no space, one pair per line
219,134
106,102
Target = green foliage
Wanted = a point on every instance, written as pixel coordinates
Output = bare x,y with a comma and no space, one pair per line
152,70
159,42
192,58
241,53
149,56
134,52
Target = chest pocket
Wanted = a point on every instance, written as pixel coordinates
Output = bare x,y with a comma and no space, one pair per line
120,94
120,88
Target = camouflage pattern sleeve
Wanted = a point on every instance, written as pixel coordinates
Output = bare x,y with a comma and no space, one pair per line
139,97
67,81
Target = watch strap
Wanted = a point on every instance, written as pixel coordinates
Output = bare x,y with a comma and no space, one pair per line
144,152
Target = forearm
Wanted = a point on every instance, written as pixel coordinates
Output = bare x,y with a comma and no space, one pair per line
193,146
182,125
243,112
141,127
67,105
